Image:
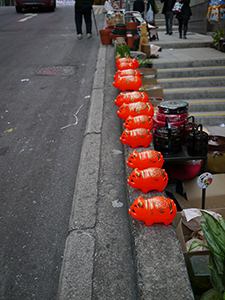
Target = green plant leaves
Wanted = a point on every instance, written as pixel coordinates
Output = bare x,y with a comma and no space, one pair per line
214,233
216,230
212,295
218,253
122,50
222,222
216,279
217,35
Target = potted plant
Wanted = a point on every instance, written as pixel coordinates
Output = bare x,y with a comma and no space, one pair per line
122,50
218,39
214,232
145,63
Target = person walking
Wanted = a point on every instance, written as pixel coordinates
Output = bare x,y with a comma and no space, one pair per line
167,11
83,8
139,5
151,11
183,17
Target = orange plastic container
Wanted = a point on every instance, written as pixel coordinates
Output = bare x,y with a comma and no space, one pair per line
142,121
137,137
135,109
131,97
128,83
148,179
123,60
145,159
152,210
127,72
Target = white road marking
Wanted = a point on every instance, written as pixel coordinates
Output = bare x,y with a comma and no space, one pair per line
29,16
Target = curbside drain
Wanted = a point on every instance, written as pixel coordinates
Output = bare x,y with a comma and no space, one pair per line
56,70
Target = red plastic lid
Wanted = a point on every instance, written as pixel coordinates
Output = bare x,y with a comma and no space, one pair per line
158,123
172,117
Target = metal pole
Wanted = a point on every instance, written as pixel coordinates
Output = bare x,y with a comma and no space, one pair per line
95,21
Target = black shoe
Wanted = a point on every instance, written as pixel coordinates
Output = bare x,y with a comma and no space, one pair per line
185,37
170,33
180,36
167,33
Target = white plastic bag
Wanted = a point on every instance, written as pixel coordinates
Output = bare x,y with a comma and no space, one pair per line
177,8
149,15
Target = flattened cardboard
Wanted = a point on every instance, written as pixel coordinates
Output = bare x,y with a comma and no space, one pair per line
154,50
155,101
152,90
215,193
149,76
184,235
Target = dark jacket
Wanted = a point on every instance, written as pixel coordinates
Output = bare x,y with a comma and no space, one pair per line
185,11
168,5
86,2
139,5
152,3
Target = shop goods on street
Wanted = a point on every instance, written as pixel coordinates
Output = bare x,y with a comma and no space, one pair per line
167,147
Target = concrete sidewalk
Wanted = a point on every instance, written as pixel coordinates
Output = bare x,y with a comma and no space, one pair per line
194,40
195,47
159,265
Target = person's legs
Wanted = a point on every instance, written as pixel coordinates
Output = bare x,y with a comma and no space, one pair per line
87,18
170,22
180,27
167,22
185,27
78,18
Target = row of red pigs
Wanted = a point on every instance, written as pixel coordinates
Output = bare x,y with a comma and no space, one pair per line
137,112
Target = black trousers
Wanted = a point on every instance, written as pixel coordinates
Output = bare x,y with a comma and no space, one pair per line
169,21
80,11
183,22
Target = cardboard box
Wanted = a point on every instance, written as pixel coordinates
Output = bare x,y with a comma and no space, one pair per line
201,257
152,90
146,48
155,101
214,194
196,261
149,76
184,235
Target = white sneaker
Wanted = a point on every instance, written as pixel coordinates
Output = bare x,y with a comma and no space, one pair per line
89,36
79,36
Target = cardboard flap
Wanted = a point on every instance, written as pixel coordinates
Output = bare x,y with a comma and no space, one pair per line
181,200
215,193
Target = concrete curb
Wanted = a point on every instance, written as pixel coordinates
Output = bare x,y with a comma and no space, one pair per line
77,267
160,267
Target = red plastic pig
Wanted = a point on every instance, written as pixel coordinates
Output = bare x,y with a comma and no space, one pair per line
135,109
137,137
142,121
131,97
148,179
152,210
128,83
121,62
127,72
145,159
126,66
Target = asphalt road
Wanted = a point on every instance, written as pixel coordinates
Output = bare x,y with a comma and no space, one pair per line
46,79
